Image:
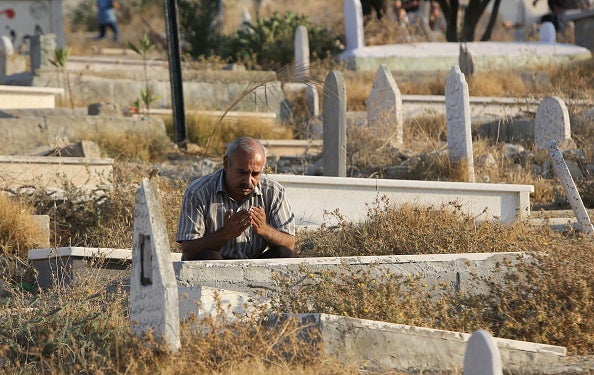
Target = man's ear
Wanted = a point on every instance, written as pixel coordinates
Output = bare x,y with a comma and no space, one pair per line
225,162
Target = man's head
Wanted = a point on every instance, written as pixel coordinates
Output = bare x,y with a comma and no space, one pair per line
243,162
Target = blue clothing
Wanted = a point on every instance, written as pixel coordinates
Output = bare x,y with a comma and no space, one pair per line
106,12
107,18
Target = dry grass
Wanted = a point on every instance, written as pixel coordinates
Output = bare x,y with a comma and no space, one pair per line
19,232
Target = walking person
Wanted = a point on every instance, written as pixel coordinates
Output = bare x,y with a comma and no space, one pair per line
107,18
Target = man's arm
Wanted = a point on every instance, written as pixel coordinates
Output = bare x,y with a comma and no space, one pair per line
272,236
234,225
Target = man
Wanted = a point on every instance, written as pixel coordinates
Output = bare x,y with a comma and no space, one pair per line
235,212
107,18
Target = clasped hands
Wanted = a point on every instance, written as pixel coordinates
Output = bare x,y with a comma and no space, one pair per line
236,223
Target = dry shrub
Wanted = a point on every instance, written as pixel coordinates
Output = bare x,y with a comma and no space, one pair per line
557,284
19,231
505,84
207,130
409,229
132,145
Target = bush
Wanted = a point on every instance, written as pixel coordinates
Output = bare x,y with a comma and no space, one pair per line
268,43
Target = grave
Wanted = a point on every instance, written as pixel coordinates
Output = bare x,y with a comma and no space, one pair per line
75,265
441,56
29,132
50,172
14,97
502,202
381,346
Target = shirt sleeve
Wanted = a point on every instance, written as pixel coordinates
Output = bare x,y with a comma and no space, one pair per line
281,216
191,224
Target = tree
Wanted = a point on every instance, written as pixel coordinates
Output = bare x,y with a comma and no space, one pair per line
472,15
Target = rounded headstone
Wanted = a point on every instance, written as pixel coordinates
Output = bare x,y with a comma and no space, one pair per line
482,355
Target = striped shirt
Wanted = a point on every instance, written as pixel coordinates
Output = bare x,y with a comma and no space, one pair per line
206,201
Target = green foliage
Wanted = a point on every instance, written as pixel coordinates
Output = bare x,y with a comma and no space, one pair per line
198,26
61,56
147,97
269,42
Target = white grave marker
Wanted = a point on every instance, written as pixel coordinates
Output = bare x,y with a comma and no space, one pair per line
301,53
334,125
154,305
482,355
458,120
552,122
575,201
384,105
353,24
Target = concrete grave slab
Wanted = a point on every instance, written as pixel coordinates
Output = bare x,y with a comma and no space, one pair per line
75,265
385,346
15,97
54,172
257,276
441,56
503,202
25,133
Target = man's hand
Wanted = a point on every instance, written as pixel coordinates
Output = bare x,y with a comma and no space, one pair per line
258,219
236,223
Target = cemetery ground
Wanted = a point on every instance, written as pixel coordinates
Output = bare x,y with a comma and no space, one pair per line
84,328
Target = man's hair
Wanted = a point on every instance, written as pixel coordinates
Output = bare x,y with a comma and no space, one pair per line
245,144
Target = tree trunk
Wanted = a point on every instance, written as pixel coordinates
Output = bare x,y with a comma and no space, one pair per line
450,12
489,30
472,15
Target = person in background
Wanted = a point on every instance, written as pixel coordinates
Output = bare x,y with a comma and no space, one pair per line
107,18
437,21
235,212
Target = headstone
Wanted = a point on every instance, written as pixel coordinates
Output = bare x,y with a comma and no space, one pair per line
301,54
482,355
466,61
6,46
575,201
353,24
334,99
154,305
6,50
552,122
312,101
246,18
547,33
458,120
384,105
42,51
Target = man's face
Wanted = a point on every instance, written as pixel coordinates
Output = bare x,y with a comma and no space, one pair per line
242,173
